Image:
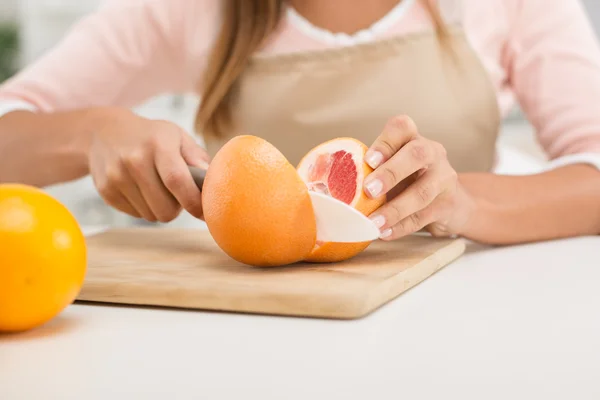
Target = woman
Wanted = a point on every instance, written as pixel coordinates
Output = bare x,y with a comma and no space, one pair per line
424,83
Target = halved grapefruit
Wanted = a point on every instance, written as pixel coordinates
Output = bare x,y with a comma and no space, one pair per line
257,205
337,168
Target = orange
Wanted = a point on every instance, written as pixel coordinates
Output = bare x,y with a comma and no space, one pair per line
255,205
337,168
43,257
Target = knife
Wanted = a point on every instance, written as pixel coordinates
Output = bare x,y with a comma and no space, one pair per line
336,221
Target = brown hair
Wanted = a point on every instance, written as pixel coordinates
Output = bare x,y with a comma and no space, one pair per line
246,24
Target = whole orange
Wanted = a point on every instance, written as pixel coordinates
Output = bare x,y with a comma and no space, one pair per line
43,257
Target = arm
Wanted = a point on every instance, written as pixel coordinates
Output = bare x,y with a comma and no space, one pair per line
425,192
553,61
559,203
45,149
139,166
119,56
79,121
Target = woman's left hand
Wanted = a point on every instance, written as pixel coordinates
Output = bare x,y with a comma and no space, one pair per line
422,188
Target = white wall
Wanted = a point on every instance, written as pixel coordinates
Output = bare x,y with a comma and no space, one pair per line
593,8
8,10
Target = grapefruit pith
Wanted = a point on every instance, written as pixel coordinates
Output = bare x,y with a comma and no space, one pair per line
337,168
255,205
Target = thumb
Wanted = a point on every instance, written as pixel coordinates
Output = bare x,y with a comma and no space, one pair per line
194,154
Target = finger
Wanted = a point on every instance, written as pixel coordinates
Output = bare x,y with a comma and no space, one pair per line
413,157
414,199
119,202
129,189
117,188
411,224
177,178
159,199
397,132
193,154
403,185
116,200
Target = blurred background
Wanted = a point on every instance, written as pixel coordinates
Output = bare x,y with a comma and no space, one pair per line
30,27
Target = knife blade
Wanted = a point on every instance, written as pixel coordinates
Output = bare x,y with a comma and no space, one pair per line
336,221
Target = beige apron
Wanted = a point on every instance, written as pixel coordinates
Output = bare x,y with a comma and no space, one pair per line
298,100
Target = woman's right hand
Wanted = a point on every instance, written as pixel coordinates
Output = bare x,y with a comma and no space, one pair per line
140,167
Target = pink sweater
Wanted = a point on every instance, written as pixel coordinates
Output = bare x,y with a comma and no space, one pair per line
541,53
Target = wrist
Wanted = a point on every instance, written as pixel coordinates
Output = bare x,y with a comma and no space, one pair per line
95,120
482,214
484,219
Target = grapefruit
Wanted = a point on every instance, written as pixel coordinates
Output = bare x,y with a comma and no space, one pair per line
337,168
43,258
255,205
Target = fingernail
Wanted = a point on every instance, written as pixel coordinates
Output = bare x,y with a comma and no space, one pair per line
385,234
202,164
374,187
373,158
378,220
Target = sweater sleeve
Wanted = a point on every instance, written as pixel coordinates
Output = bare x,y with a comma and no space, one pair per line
122,54
553,61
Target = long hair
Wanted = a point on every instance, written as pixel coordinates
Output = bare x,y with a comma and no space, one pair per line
246,25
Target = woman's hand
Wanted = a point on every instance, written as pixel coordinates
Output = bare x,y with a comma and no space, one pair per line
140,167
422,188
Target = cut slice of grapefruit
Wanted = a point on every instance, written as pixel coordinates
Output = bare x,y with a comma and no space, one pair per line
337,168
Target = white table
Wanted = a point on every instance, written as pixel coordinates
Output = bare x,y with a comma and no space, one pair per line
511,323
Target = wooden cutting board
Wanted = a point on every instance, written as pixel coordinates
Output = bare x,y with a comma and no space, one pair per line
186,269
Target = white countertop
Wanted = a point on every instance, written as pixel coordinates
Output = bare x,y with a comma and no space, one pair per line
509,323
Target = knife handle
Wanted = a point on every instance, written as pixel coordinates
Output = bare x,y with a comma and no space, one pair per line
198,174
